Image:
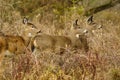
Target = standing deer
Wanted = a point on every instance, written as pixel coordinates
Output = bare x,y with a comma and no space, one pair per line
10,44
46,41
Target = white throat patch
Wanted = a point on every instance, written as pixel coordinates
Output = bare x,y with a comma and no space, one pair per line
77,35
30,34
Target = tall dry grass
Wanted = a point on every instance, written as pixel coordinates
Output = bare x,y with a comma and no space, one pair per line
102,62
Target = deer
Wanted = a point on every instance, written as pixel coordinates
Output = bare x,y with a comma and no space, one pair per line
46,41
77,38
12,46
16,44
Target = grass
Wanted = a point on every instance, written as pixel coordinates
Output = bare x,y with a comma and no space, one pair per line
102,62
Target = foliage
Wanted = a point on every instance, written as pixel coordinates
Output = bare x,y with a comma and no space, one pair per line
115,74
56,17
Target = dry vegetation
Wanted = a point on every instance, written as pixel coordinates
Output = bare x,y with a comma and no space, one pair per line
101,62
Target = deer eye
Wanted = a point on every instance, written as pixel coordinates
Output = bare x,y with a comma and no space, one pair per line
32,27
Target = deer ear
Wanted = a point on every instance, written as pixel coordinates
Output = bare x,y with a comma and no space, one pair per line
90,19
25,20
76,22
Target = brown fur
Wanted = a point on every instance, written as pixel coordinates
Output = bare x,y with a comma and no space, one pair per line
84,43
45,41
3,47
16,44
10,45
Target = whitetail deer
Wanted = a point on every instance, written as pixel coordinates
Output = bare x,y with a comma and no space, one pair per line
45,41
10,44
91,27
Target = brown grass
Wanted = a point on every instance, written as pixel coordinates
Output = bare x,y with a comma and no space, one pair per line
102,62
